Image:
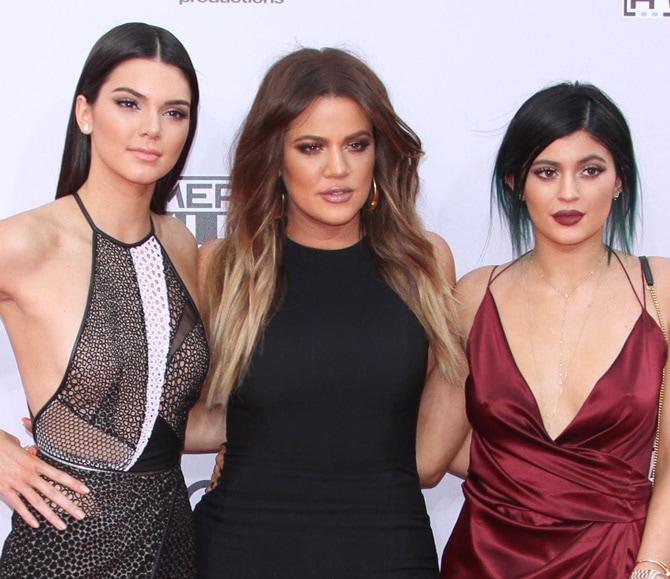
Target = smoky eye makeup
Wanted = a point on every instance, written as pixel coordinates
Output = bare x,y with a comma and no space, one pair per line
309,147
177,113
544,172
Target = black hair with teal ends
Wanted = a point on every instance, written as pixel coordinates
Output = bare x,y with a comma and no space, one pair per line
550,114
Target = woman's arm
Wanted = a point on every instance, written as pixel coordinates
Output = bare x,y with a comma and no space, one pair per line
459,466
443,436
24,242
655,545
442,427
442,424
206,426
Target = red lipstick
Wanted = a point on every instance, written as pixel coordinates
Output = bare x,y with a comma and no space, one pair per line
568,218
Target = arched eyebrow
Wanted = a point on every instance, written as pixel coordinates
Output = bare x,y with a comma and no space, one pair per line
587,159
356,135
139,95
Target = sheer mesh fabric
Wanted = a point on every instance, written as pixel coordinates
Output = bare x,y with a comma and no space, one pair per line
95,417
188,357
136,527
100,417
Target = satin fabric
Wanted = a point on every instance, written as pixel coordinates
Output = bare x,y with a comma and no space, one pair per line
570,507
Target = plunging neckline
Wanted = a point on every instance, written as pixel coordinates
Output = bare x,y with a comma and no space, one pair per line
529,390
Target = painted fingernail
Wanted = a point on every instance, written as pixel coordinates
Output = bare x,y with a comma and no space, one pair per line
61,526
85,489
79,514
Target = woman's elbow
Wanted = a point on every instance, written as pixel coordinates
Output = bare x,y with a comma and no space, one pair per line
430,471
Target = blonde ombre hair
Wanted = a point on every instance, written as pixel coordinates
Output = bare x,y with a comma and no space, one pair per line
246,279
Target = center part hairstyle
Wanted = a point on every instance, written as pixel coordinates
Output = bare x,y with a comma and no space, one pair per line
552,113
122,43
246,280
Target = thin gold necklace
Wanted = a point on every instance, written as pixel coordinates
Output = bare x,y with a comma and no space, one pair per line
563,368
580,282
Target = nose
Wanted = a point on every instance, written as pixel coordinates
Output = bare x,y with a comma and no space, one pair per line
569,189
150,124
337,165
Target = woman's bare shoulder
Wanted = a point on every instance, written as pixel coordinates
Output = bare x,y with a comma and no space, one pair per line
28,236
205,255
30,239
660,266
660,270
474,283
206,250
174,234
470,291
443,255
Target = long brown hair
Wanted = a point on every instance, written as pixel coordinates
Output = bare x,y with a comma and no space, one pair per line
245,284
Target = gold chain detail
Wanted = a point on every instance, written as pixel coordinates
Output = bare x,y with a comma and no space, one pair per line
661,394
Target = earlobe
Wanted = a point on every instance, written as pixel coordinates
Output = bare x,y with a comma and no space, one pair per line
82,114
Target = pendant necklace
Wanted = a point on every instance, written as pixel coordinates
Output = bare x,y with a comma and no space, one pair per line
563,367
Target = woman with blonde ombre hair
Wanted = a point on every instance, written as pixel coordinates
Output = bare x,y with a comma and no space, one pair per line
331,323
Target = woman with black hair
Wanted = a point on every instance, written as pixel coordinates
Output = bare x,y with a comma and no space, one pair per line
107,337
566,357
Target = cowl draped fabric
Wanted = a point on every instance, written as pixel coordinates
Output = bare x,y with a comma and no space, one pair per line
570,507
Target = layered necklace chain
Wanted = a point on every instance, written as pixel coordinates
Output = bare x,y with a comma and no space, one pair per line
563,366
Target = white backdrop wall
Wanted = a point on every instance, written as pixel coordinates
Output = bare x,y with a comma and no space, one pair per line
456,71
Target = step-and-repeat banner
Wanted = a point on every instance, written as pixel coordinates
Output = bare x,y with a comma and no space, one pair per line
456,70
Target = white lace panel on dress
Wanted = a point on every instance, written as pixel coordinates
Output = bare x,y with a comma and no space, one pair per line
148,262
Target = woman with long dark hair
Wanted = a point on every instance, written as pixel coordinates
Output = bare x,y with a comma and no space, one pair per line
107,338
332,328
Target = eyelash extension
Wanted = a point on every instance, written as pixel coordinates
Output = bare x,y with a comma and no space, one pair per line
362,144
598,168
177,114
309,148
126,102
544,172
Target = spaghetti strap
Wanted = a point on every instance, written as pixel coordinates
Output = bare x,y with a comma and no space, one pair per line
492,277
95,228
643,302
83,210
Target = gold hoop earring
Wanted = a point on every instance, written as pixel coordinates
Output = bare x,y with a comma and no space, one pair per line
373,198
